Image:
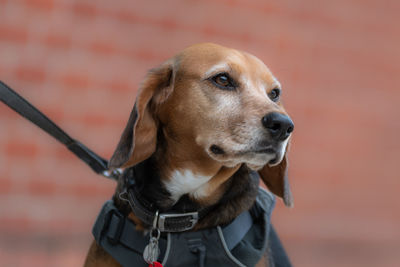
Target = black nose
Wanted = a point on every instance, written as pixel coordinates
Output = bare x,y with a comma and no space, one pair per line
278,125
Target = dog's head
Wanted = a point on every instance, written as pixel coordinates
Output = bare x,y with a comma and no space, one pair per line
219,103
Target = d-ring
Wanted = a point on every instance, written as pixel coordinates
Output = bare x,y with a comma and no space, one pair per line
155,221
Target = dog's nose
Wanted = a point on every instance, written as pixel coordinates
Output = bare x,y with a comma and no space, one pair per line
278,125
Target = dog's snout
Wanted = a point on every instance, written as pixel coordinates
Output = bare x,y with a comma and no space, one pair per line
278,125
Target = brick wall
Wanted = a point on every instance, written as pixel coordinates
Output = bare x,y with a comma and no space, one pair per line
81,62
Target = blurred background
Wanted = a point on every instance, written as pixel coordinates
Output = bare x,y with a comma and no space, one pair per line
80,62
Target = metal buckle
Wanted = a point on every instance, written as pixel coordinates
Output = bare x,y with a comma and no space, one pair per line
163,217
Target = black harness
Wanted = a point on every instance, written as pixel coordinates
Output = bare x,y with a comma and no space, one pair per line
240,243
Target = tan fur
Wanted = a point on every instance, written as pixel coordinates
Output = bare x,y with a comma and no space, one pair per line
97,257
195,115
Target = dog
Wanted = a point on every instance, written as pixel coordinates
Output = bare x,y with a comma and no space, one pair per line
202,121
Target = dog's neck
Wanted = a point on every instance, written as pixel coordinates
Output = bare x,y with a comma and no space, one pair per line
238,195
181,179
188,170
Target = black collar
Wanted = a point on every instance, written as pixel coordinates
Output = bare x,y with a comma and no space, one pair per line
166,221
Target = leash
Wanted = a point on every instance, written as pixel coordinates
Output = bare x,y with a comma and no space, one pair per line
20,105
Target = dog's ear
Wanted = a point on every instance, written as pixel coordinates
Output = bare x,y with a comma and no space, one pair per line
138,140
277,181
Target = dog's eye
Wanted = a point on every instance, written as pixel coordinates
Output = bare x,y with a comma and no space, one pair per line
223,81
274,94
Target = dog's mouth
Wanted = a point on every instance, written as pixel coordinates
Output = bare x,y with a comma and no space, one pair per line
217,150
267,150
270,151
274,161
258,156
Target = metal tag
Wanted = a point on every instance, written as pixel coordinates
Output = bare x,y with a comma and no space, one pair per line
151,251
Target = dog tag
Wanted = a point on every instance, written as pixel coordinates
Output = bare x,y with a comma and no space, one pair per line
151,251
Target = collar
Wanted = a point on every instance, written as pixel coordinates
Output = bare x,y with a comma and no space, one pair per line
164,222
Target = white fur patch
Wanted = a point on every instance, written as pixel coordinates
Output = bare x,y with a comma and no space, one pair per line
186,182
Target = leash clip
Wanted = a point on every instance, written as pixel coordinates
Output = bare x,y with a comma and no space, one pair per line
113,174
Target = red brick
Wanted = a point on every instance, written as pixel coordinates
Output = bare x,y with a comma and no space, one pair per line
62,153
62,225
144,54
84,9
34,74
53,113
126,16
75,80
103,48
169,24
41,187
14,34
57,40
245,37
21,149
5,185
40,4
209,31
120,86
229,2
84,190
94,119
15,223
33,258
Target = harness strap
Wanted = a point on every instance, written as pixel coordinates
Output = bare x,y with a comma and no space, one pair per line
236,230
25,109
118,229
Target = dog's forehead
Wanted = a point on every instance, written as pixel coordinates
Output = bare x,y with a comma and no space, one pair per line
207,59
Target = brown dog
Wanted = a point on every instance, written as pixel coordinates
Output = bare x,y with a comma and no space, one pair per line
203,119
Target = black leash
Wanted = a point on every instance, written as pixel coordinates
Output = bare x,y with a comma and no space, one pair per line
16,102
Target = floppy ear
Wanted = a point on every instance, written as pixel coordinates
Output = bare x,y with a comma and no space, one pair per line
276,179
138,140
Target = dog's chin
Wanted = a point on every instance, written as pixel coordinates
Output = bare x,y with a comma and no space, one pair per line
275,161
254,159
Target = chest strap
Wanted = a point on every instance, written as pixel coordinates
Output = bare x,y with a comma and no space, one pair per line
118,236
